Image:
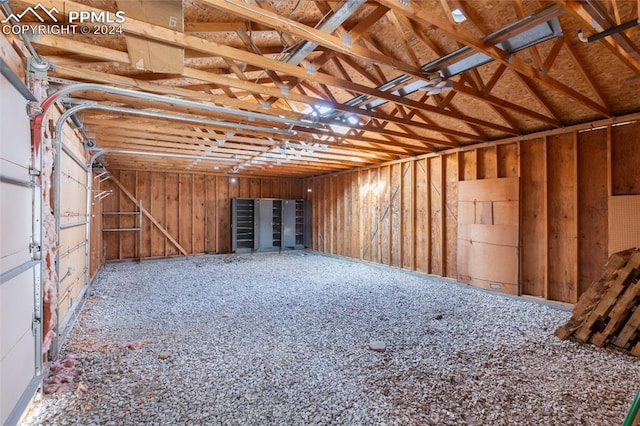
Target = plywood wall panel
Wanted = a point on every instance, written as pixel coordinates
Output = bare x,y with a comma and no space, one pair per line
560,213
225,191
487,163
172,211
96,253
210,214
244,185
354,208
508,164
423,216
533,227
143,193
395,216
335,207
469,165
384,224
198,214
625,155
255,188
194,208
406,230
563,244
128,239
451,214
592,199
437,215
157,210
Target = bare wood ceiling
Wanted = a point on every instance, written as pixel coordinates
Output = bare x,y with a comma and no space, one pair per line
283,59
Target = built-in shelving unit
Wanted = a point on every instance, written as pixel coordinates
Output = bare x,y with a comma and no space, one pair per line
266,224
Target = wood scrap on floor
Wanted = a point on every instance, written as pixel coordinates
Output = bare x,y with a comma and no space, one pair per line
607,313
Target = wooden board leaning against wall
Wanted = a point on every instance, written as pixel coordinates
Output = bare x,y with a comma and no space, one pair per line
404,213
194,209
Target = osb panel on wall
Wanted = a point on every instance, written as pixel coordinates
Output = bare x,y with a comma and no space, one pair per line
488,234
193,208
624,222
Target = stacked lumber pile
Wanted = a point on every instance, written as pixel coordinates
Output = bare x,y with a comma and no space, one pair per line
608,312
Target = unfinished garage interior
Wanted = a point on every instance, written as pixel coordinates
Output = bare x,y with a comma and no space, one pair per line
320,212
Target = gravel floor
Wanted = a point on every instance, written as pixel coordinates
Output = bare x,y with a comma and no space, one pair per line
284,339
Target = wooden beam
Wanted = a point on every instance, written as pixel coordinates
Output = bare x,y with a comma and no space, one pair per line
425,17
257,88
280,23
620,44
148,215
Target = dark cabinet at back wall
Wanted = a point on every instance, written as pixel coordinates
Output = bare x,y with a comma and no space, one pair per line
267,224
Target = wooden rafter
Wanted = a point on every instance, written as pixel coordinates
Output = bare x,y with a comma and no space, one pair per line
619,44
416,12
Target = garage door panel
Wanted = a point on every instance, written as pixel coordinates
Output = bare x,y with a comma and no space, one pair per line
16,307
14,130
18,360
16,226
16,371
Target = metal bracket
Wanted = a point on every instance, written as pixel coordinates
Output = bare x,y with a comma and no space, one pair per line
35,324
35,250
38,69
33,109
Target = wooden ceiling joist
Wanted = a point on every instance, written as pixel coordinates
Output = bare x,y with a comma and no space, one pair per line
330,70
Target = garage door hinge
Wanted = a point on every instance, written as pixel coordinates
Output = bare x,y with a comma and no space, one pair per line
35,250
35,324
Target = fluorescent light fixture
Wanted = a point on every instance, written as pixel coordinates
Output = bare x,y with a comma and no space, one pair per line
339,129
458,16
353,120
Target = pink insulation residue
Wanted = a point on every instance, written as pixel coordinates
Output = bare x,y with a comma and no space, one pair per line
49,247
64,376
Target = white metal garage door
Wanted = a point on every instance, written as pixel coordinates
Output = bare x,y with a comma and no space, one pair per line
19,265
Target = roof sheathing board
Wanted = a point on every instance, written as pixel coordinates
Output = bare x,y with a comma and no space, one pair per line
617,83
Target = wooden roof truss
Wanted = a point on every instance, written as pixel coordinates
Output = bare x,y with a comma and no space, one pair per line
309,87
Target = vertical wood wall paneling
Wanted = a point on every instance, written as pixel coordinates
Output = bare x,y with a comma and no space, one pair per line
199,214
451,173
156,209
128,239
436,232
422,235
336,207
384,205
172,211
488,162
562,218
562,189
225,191
406,215
625,155
592,210
532,217
96,238
356,213
194,208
